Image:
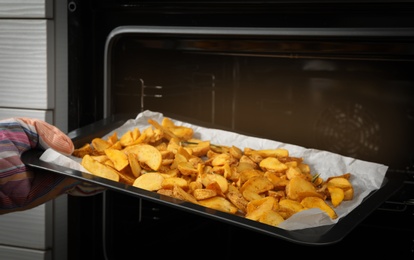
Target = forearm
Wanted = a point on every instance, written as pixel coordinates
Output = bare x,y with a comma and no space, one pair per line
20,187
28,193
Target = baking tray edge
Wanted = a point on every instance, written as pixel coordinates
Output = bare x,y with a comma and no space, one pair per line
318,236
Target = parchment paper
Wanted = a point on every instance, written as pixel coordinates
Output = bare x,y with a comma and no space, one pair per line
366,176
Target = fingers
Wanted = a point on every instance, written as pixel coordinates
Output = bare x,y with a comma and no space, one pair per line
50,136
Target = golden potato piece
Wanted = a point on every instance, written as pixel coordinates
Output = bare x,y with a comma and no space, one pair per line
82,151
199,148
268,202
271,217
345,175
167,192
257,184
119,158
340,182
184,152
151,181
109,163
235,196
126,176
247,173
246,160
221,159
147,154
216,187
167,122
127,138
236,152
135,133
279,152
336,194
170,173
183,132
100,158
293,171
181,194
99,169
279,182
288,207
202,194
112,139
169,183
219,203
343,183
298,188
315,202
100,145
256,208
134,165
117,146
251,195
272,164
179,158
193,185
208,178
186,168
168,134
304,168
277,194
349,194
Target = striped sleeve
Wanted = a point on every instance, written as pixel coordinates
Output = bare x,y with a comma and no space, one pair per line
19,186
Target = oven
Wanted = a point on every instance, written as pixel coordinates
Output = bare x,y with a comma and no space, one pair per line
328,75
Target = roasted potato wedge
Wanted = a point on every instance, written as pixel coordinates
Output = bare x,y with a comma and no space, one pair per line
219,203
336,194
99,169
256,208
299,188
118,158
271,217
202,194
100,145
255,185
151,181
147,154
316,202
134,165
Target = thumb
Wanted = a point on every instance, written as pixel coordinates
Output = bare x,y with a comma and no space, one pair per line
50,136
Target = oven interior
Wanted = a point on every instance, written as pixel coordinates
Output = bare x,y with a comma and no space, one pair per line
274,89
346,91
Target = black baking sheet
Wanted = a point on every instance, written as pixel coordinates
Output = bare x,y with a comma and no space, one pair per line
323,235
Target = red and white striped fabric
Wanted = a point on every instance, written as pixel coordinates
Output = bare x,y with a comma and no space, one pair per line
20,187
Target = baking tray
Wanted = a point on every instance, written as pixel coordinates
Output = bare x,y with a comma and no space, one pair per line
315,236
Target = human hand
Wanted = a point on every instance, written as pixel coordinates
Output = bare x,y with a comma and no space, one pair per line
20,187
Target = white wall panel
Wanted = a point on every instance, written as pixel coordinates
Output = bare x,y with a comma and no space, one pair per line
26,228
26,8
12,253
39,114
27,88
26,64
